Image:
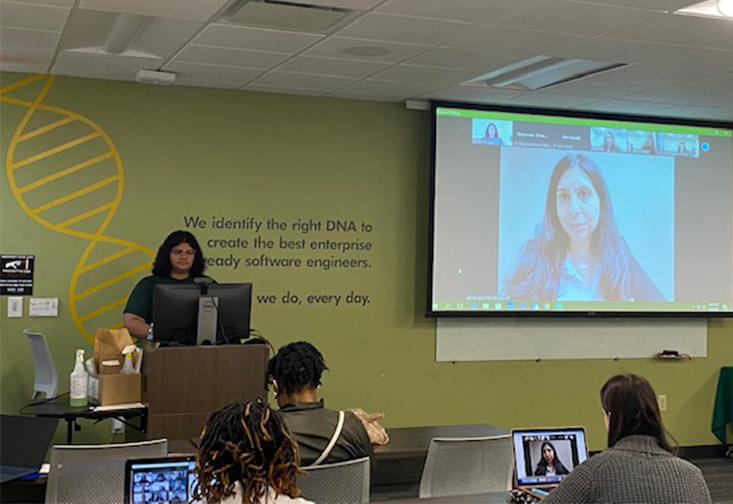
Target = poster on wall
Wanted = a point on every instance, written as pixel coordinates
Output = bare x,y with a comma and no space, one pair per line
16,274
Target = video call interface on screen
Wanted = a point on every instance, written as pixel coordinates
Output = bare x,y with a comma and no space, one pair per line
162,482
547,457
542,213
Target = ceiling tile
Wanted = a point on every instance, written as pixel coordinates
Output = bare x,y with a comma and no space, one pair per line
392,52
599,90
284,90
374,26
255,39
102,66
163,37
230,57
472,94
333,66
657,5
425,75
15,39
217,73
577,18
516,41
196,10
182,81
370,89
32,17
342,4
471,11
622,51
479,62
50,3
675,29
649,77
550,100
324,83
25,62
711,60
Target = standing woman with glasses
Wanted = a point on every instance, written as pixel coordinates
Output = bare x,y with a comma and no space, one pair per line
179,260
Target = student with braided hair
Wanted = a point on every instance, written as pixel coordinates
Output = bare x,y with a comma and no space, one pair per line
247,456
323,435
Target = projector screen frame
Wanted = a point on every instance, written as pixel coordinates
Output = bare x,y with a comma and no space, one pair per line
506,313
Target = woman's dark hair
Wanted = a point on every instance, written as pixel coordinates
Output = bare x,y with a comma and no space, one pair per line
162,265
632,405
612,147
539,269
496,131
543,462
295,366
249,443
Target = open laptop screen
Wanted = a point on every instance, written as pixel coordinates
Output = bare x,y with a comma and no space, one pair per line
543,457
168,479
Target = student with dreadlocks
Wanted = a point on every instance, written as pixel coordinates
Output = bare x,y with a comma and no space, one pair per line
247,455
323,435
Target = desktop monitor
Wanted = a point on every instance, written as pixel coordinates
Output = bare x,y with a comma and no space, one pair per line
190,314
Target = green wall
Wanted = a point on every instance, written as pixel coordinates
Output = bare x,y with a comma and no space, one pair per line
214,153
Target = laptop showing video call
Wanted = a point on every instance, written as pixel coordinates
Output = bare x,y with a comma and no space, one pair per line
169,479
544,457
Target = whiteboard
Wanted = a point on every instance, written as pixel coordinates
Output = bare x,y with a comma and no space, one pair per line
525,339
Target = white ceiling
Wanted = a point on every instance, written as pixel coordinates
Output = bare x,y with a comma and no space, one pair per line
393,50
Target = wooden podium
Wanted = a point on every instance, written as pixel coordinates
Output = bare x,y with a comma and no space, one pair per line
182,386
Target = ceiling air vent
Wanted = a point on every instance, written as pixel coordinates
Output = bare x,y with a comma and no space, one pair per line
293,16
542,72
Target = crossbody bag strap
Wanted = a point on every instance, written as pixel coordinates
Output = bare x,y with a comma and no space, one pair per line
334,438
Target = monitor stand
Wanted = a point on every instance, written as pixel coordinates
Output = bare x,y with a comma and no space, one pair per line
208,317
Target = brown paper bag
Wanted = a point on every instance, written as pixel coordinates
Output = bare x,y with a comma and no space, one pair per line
108,344
377,434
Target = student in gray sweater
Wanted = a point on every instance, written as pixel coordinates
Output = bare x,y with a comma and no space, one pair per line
639,465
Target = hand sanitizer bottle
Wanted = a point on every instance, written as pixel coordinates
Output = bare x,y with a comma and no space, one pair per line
78,388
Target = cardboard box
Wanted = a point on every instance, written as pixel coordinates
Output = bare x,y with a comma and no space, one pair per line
109,387
120,389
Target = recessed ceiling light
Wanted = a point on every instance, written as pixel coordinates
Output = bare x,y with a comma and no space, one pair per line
709,8
366,51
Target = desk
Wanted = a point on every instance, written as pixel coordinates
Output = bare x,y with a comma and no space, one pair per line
723,408
59,408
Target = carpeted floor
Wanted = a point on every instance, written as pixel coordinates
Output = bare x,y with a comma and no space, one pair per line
718,473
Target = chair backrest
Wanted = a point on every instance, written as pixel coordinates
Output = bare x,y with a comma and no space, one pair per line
338,483
467,466
95,474
46,378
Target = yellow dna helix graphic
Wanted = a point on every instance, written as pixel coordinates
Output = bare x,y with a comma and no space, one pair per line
67,175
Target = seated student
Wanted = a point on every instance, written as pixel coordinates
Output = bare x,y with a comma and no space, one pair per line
247,455
295,374
639,465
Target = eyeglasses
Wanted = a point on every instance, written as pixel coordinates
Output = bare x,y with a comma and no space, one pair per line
190,252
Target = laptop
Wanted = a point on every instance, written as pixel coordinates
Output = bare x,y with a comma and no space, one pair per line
537,470
24,442
168,479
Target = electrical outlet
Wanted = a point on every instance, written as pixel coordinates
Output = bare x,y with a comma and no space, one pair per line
15,307
662,399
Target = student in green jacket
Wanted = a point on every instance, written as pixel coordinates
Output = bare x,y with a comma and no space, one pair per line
295,375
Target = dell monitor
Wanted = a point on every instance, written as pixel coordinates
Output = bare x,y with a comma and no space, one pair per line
198,313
